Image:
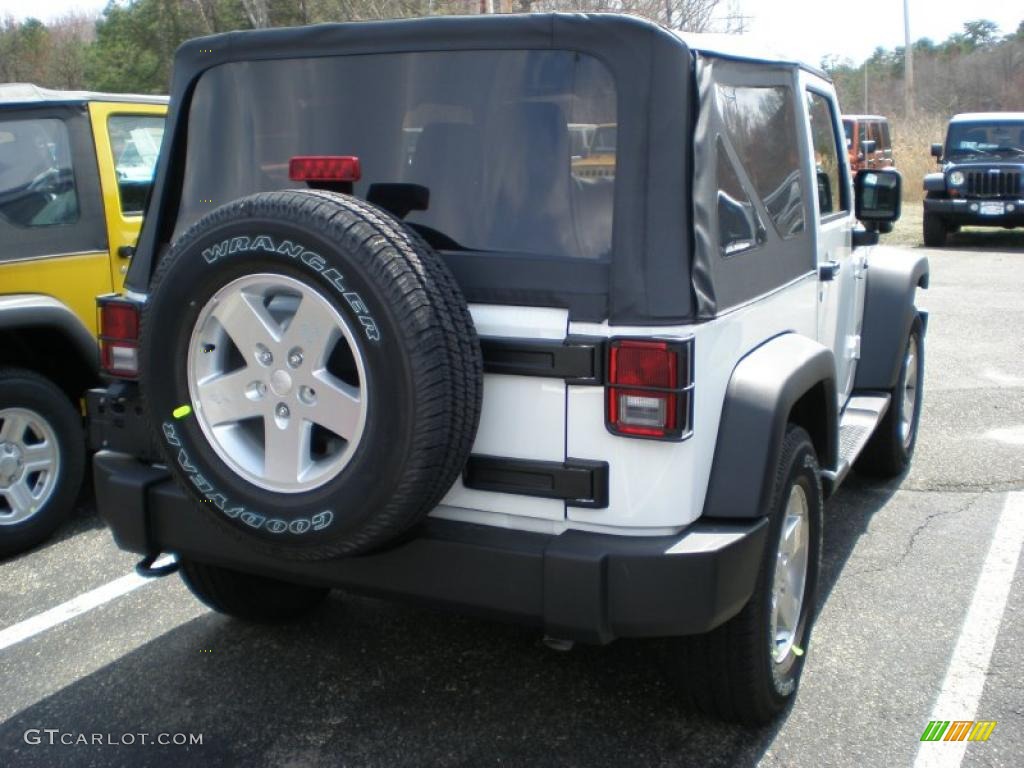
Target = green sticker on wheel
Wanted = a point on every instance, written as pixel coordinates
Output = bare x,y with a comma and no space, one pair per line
181,411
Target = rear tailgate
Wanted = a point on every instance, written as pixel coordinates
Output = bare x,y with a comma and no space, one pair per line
523,417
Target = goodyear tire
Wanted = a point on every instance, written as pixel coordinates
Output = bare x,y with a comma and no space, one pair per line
248,596
313,371
891,447
748,669
934,231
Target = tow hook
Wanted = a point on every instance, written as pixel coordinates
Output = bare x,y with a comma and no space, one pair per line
148,568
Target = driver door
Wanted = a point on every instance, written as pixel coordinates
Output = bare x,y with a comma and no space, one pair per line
840,272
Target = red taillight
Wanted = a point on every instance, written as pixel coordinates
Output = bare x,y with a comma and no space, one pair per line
649,388
324,168
119,337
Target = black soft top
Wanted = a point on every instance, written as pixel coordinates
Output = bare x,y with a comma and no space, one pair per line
648,278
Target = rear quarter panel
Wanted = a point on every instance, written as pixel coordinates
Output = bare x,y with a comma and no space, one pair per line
659,487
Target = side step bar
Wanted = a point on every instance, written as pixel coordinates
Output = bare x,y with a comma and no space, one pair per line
862,414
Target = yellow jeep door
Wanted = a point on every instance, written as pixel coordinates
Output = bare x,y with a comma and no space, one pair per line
127,144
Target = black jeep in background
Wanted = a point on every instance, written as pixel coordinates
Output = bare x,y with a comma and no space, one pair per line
980,181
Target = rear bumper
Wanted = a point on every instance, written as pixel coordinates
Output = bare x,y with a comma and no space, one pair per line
576,585
958,211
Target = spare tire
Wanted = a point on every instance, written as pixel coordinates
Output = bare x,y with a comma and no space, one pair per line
313,371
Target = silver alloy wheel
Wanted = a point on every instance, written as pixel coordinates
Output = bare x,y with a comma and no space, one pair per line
909,393
790,574
264,386
29,464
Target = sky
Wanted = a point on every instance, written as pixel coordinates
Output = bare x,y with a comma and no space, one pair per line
806,29
812,29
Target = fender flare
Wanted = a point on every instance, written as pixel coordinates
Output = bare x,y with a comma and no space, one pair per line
33,310
935,182
759,399
893,277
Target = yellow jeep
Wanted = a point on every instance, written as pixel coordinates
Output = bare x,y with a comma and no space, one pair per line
599,159
75,171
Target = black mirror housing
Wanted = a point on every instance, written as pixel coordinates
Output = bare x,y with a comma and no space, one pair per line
878,196
868,146
937,151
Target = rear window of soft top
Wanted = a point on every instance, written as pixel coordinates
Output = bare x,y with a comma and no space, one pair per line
487,132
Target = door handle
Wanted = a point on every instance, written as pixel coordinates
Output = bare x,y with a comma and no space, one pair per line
829,270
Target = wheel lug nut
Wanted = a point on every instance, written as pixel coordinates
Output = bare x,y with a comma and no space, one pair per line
256,390
282,411
263,355
295,357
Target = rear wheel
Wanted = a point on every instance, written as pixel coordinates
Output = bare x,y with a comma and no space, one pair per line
748,669
42,459
247,596
934,231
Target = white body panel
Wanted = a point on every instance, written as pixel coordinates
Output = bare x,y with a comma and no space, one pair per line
523,417
661,485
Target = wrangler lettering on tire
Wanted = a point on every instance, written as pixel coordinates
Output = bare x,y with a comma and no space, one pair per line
331,366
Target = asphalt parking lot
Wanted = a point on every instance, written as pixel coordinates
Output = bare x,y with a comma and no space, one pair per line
903,627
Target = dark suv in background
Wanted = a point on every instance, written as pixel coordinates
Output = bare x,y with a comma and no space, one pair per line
980,182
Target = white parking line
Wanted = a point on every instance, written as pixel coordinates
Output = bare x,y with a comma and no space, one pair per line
965,676
23,630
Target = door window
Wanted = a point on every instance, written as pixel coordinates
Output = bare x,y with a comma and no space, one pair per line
135,143
832,195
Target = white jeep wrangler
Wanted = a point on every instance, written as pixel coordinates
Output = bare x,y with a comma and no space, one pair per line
387,330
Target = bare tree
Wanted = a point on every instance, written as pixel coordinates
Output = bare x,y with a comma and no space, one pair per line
688,15
258,12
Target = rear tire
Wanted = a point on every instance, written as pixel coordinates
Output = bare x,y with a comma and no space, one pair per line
891,447
40,427
247,596
743,671
934,231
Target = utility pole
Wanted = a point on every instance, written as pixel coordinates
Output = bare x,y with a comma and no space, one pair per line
866,111
908,61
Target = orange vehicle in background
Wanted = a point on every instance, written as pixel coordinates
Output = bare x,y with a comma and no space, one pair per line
861,131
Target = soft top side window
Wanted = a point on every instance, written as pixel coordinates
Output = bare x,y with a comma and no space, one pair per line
37,181
761,128
739,224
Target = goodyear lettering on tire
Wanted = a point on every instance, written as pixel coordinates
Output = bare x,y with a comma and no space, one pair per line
253,519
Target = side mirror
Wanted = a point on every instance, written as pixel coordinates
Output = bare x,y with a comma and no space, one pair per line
877,196
937,151
868,146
